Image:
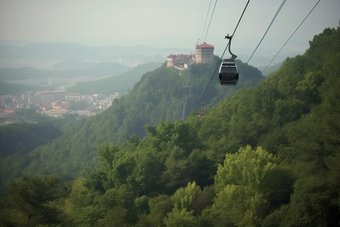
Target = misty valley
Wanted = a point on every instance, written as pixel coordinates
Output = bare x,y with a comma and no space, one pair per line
117,151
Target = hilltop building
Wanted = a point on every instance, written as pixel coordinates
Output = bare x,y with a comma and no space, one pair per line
180,60
204,54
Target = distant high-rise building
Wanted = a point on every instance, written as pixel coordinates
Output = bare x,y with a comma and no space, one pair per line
204,53
73,96
45,96
60,95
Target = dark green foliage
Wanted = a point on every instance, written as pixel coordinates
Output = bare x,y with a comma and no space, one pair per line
278,187
33,201
18,140
159,207
25,137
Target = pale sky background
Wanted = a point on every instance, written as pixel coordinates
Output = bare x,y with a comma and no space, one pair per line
166,24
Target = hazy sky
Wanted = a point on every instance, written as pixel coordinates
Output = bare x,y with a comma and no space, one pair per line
164,23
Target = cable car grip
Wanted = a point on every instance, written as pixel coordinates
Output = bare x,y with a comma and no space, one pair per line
233,56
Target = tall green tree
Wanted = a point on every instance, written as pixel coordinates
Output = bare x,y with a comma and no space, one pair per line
239,200
34,201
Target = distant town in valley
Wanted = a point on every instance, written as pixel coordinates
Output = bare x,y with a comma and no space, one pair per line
58,102
53,103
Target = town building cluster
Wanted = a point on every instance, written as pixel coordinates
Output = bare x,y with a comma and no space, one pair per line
58,102
204,54
53,103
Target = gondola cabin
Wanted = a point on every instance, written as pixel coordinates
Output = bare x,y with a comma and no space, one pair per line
228,73
201,114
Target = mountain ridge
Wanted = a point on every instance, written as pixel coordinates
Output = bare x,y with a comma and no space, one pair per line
62,51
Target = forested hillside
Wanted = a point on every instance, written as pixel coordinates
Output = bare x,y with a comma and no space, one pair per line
23,138
14,89
121,83
157,96
266,156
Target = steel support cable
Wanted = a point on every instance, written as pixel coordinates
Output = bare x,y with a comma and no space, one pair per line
205,22
277,13
225,49
291,36
240,18
212,14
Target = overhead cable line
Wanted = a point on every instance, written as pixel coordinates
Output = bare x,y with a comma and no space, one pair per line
224,52
277,13
185,87
291,36
205,22
212,14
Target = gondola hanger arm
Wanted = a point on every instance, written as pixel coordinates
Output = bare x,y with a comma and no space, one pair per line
233,56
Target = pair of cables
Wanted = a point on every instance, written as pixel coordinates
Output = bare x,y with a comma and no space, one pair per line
205,22
277,12
264,35
224,52
291,35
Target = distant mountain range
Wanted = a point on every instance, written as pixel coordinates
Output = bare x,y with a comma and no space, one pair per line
62,51
97,70
88,55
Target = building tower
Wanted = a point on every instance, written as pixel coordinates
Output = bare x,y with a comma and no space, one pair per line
204,53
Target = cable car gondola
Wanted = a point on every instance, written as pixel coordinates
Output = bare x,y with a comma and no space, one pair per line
202,113
228,73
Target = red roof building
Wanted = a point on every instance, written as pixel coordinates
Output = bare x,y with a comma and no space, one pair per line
204,45
204,53
9,111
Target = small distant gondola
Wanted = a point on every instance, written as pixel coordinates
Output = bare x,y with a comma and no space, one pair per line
202,113
228,73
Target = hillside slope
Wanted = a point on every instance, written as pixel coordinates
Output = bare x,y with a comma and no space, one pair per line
157,96
121,83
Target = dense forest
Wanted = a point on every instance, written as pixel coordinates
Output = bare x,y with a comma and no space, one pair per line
23,138
265,155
